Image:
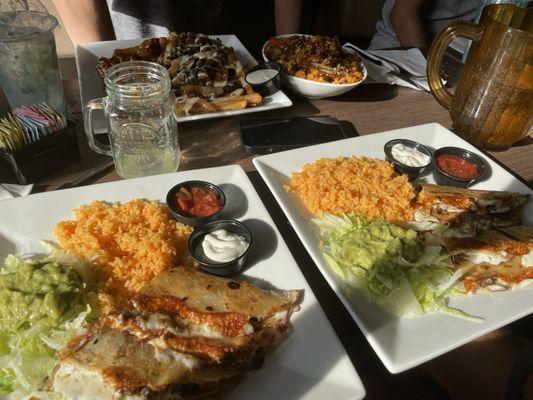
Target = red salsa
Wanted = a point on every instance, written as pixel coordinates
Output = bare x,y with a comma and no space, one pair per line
197,202
457,166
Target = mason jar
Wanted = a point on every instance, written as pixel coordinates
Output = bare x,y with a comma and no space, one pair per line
140,114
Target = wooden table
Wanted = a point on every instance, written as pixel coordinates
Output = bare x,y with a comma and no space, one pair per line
367,110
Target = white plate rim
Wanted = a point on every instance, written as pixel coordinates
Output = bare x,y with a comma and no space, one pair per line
279,99
393,367
239,174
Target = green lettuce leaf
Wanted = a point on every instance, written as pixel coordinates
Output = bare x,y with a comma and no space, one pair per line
28,347
397,269
7,380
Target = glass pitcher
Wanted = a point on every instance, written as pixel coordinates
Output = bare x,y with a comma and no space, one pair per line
29,73
139,109
493,102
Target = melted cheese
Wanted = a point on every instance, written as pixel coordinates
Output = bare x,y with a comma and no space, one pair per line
480,257
440,207
496,288
76,383
421,216
164,354
180,327
527,259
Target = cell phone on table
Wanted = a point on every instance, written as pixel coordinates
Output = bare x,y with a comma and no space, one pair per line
267,135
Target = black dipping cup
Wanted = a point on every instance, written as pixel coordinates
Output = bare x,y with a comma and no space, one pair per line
222,269
411,172
187,219
444,178
270,86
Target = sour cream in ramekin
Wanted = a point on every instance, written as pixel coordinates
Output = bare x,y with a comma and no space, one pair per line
409,155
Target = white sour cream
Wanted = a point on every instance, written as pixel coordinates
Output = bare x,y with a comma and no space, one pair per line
223,246
261,76
409,156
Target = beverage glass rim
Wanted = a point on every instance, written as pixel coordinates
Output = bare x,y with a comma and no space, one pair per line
53,24
159,74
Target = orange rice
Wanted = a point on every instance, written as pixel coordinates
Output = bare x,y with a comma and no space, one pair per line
362,185
131,242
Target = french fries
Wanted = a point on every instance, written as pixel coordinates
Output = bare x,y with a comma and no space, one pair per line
226,103
230,105
251,99
206,75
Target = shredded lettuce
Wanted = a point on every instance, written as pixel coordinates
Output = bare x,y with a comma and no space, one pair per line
28,347
397,269
7,380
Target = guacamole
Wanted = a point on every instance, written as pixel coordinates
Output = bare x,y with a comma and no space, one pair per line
36,290
368,244
392,265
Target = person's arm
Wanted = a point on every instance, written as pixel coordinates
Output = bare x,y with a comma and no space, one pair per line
288,14
406,20
86,20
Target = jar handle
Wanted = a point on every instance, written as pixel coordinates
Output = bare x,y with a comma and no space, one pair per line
467,30
95,104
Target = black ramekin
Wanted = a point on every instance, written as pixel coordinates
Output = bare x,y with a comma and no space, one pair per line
207,265
444,178
187,219
411,172
271,86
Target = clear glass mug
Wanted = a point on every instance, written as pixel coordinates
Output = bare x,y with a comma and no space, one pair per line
493,102
141,124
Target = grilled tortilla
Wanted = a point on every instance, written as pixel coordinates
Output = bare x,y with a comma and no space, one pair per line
466,211
185,335
448,199
226,306
467,224
163,331
494,259
108,364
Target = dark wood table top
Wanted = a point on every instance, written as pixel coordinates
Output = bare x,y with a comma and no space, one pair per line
368,109
470,371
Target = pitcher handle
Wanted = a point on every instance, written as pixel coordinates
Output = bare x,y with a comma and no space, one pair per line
95,104
467,30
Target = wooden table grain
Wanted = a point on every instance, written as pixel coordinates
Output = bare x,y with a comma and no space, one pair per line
368,110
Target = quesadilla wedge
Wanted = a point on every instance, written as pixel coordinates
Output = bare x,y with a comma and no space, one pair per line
437,200
163,331
468,224
108,364
185,335
464,212
494,259
222,306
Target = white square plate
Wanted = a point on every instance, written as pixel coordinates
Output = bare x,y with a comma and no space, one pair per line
310,364
92,84
401,343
